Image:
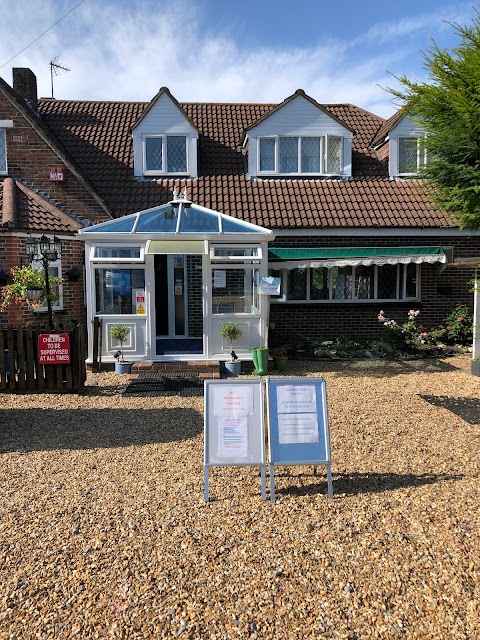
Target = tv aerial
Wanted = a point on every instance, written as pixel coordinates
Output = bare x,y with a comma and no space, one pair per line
56,69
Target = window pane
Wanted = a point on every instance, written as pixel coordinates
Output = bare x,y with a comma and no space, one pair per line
297,284
267,154
342,281
319,284
128,253
114,289
411,290
153,154
3,151
387,282
288,151
334,155
310,155
235,252
407,155
364,278
235,291
176,154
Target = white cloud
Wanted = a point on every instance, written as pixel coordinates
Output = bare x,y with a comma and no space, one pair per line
127,52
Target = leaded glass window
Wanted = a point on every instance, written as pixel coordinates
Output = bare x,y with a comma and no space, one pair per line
288,153
334,154
3,151
176,154
310,155
154,154
267,154
349,284
412,154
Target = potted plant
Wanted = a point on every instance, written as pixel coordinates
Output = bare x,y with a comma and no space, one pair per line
231,332
27,283
280,358
260,360
120,332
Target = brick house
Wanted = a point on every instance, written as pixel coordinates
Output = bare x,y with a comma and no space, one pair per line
198,208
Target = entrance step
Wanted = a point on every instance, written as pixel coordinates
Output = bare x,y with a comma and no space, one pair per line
203,369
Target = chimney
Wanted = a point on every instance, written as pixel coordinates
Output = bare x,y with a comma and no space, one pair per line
25,84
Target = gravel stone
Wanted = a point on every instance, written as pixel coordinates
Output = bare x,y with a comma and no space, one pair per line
104,532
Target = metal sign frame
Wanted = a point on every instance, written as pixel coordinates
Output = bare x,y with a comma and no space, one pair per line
302,423
234,426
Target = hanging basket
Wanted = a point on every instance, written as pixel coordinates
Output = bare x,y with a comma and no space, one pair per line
34,294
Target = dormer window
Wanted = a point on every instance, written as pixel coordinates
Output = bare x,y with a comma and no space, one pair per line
165,154
3,152
412,155
304,155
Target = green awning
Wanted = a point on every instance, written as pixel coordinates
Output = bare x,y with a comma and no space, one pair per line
316,257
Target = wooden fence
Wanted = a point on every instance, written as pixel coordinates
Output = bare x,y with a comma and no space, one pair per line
21,372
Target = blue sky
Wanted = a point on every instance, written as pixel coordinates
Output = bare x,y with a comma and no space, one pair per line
222,51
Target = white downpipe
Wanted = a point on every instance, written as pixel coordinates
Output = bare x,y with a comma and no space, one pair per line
476,312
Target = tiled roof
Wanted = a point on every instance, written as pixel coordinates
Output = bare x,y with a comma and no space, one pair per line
386,127
98,136
22,209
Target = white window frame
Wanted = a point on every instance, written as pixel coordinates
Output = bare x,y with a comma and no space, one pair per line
112,266
323,152
4,169
244,268
56,264
164,170
235,258
353,300
420,151
111,245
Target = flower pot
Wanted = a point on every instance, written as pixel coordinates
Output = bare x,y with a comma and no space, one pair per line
233,369
260,361
34,293
123,367
280,363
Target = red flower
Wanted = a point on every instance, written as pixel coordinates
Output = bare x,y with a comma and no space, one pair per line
448,328
459,319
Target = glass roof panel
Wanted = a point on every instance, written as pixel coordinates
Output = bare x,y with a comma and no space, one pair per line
229,225
122,225
194,220
160,220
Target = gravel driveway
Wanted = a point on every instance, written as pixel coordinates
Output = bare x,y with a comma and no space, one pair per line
104,532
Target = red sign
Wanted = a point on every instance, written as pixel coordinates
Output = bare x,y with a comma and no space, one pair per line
53,348
57,174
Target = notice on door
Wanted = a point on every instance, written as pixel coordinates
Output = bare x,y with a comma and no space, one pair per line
219,279
140,307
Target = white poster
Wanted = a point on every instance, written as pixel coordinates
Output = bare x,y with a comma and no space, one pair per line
232,437
219,279
232,401
297,428
296,399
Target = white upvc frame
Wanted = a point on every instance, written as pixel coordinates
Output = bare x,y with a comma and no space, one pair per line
119,245
353,300
164,170
323,156
56,264
421,150
235,258
115,266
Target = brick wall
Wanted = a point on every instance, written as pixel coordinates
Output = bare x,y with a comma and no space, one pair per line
195,296
29,158
439,294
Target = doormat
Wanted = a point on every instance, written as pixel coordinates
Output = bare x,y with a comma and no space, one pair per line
176,346
165,385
